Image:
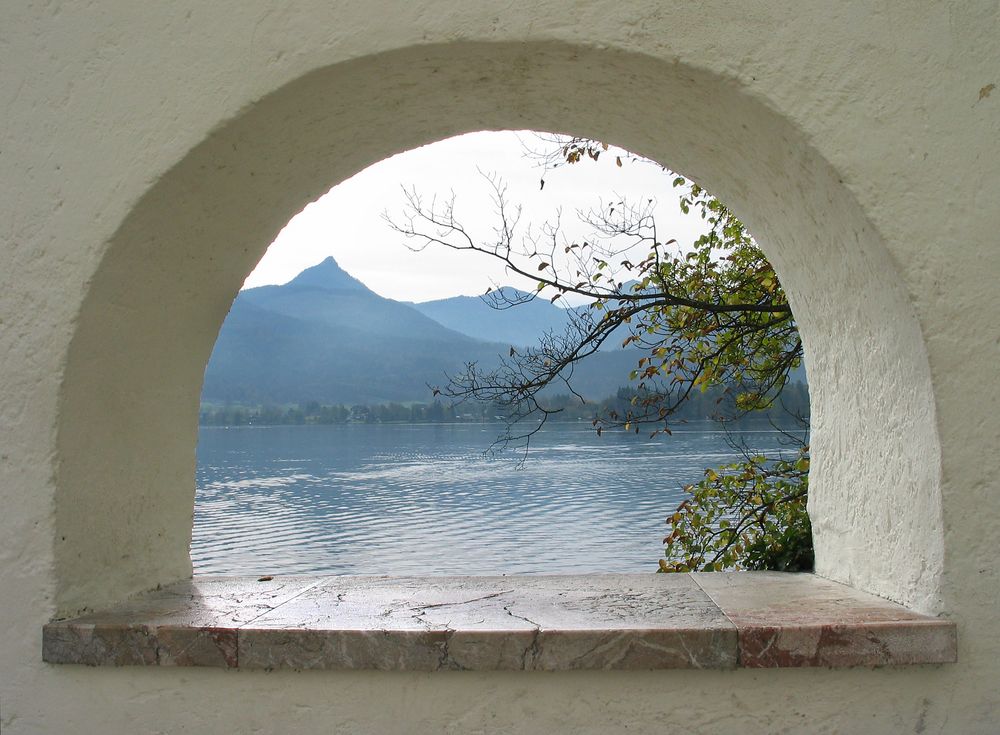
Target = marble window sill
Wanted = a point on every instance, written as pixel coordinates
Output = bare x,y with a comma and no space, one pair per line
542,623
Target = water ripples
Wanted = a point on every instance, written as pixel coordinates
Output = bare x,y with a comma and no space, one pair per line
422,499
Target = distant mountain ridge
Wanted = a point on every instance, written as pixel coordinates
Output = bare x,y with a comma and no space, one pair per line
324,336
519,325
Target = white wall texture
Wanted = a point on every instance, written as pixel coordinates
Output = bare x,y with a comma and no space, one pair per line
150,152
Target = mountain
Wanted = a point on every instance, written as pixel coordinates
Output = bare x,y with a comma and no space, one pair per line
519,326
326,294
326,337
329,276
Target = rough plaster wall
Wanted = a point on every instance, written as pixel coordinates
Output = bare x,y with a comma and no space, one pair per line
154,306
865,127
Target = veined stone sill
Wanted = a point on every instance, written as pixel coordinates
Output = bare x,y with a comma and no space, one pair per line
540,623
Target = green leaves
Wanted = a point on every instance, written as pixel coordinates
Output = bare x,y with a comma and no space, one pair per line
746,515
714,327
716,321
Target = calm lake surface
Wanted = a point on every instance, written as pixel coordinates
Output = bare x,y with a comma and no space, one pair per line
422,498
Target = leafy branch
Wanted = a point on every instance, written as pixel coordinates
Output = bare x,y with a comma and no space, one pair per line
709,316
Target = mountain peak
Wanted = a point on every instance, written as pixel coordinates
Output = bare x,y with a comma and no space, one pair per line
328,275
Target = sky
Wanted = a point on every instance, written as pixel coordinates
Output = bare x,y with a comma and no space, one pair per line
348,221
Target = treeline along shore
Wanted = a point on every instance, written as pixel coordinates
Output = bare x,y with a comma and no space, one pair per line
700,406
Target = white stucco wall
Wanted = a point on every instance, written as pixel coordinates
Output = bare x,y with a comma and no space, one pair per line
148,155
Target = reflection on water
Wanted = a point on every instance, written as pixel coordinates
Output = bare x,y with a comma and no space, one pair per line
422,499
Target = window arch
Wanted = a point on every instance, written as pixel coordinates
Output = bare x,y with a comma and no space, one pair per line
128,419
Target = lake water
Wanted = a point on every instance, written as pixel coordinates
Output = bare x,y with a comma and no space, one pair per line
422,498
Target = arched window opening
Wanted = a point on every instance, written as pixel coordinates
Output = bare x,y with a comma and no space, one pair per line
350,515
151,311
609,323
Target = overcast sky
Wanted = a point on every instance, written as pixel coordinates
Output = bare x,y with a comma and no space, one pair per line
347,222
